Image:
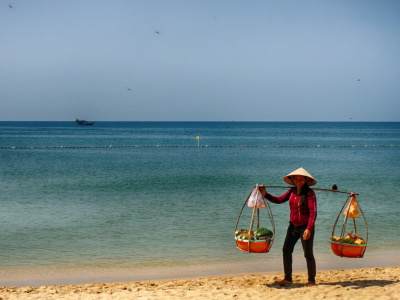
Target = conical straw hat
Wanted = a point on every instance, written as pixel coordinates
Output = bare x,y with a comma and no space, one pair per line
300,171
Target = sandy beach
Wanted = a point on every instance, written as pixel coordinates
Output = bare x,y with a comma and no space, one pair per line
361,283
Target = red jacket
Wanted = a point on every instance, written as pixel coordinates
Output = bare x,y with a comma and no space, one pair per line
305,214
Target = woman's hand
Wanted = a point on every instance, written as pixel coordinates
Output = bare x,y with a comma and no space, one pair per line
262,190
306,234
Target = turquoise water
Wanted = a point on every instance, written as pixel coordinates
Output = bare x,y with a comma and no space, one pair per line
141,200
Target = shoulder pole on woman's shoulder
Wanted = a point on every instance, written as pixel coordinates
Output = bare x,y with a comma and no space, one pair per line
317,189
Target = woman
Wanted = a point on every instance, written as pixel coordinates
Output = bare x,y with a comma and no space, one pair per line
303,212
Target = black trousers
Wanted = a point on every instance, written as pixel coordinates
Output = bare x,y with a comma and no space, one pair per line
294,233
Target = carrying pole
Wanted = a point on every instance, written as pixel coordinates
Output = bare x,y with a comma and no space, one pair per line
316,189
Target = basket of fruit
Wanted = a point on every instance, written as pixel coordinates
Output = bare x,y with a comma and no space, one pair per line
258,241
261,239
350,246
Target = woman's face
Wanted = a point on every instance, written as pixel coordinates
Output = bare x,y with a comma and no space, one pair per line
299,180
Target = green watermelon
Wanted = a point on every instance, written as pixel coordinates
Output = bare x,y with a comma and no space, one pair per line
263,232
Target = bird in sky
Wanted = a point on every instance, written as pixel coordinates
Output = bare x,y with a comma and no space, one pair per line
129,89
10,6
358,79
157,32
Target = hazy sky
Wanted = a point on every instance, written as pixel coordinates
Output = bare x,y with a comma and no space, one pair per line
218,60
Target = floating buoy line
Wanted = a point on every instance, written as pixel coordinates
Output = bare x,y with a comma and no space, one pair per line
196,146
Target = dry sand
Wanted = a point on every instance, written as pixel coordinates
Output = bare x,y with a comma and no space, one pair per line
364,283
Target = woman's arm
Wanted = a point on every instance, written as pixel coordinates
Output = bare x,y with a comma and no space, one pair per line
275,199
312,207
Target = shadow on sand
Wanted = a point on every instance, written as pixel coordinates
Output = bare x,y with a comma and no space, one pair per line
355,284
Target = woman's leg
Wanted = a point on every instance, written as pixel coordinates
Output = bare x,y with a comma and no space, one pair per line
292,236
309,255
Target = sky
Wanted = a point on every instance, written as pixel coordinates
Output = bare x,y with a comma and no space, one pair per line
182,60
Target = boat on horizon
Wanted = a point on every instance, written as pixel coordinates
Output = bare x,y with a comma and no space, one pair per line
83,122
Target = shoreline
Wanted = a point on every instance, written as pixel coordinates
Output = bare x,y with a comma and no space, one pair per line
252,264
360,283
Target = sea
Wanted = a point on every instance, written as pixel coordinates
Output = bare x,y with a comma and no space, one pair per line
127,201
